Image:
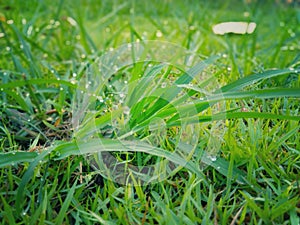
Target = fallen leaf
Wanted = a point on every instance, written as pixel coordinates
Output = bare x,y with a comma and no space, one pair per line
234,27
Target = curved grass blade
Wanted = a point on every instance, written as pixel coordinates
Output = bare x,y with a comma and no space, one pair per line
37,81
231,115
12,158
251,79
108,145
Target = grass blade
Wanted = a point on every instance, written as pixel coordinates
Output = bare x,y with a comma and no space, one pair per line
249,80
13,158
63,211
26,178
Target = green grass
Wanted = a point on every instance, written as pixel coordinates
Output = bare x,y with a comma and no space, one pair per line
179,125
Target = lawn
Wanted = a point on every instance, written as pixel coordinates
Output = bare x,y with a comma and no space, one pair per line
115,112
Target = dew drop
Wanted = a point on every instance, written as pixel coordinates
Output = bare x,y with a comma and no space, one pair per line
246,14
29,31
159,34
9,21
122,95
7,48
212,158
164,84
2,35
100,99
61,89
126,110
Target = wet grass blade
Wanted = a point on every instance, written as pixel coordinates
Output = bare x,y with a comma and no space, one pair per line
108,145
250,80
13,158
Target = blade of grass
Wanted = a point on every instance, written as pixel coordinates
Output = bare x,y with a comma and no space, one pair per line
249,80
232,115
26,178
108,145
8,213
13,158
63,211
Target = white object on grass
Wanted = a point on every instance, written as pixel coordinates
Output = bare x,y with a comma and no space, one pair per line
234,27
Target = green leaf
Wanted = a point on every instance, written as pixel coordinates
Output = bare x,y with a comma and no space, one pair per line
12,158
283,207
109,145
251,79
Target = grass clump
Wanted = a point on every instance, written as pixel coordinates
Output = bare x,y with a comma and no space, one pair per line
131,113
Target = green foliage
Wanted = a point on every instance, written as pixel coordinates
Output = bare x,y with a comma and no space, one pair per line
238,95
